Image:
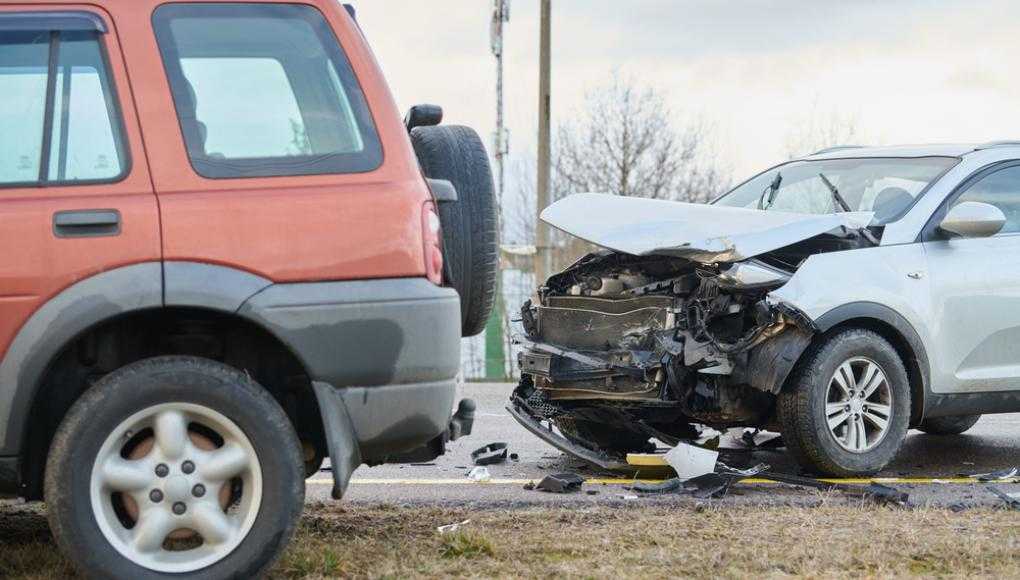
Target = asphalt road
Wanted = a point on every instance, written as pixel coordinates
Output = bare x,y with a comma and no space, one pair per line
993,444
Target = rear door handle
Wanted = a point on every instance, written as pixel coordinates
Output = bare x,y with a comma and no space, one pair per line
86,223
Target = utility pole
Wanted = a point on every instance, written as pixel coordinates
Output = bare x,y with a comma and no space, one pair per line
495,328
501,141
543,261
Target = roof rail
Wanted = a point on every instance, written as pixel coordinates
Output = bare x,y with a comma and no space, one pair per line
836,148
990,144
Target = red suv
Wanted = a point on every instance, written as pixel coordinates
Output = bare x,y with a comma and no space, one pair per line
226,258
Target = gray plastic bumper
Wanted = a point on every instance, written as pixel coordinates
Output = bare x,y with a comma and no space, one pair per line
383,356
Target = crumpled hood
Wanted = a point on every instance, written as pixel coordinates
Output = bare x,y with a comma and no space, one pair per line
699,232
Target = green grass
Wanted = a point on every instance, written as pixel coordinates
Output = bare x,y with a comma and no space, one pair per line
720,541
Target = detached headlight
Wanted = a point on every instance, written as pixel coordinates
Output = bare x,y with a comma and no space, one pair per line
752,275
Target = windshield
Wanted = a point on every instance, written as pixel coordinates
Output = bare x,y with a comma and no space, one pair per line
886,186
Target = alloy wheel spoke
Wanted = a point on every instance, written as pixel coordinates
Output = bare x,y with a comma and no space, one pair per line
879,410
844,378
171,429
870,370
152,529
224,463
122,475
850,438
838,419
862,433
212,523
872,384
876,420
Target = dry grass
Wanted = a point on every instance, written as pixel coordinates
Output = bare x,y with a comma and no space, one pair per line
725,541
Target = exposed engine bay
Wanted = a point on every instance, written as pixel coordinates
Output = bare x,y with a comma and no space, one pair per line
620,349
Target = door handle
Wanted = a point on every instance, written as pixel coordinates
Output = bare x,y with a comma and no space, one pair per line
86,223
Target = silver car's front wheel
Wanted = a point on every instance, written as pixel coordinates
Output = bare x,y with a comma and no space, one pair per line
176,487
858,405
845,410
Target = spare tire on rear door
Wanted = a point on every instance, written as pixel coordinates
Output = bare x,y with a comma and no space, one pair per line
470,239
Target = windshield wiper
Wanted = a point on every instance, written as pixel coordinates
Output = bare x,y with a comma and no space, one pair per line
835,193
769,195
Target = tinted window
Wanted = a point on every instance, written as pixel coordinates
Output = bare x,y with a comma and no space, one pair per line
60,115
1001,189
264,90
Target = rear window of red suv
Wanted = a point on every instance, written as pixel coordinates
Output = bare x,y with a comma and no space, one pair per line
264,90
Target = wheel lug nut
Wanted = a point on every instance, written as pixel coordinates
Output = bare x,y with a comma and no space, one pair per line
180,508
156,496
188,467
162,470
198,490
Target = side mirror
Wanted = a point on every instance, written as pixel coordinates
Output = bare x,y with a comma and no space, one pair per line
973,219
423,116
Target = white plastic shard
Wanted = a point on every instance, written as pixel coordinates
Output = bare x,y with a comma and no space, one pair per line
699,232
690,461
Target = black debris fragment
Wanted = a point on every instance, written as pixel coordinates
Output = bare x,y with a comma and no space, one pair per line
1000,475
491,454
514,457
875,491
1011,502
667,486
755,439
560,483
710,485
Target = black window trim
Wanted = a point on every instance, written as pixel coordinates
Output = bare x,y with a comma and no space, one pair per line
56,23
930,231
262,167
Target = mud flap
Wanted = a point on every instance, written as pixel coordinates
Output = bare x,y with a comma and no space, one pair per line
344,454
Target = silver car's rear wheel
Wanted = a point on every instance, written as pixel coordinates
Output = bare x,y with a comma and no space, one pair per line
858,405
176,487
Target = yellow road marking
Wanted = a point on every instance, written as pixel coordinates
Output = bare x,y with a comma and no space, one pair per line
621,481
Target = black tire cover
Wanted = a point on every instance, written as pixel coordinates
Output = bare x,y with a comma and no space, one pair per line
470,236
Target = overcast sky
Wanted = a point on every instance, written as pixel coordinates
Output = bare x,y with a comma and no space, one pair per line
908,71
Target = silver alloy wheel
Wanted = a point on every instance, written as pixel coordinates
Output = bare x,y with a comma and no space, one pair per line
858,405
175,488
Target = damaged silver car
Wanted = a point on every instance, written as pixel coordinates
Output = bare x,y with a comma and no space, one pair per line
839,299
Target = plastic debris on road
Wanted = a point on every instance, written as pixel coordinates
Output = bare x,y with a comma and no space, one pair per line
1012,500
690,461
491,454
479,474
1000,475
561,483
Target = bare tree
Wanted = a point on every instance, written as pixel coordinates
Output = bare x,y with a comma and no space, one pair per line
626,142
819,130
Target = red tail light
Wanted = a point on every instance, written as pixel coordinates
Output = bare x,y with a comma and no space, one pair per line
432,235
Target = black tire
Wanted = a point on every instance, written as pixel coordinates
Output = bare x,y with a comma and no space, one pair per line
470,234
802,406
156,381
948,425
